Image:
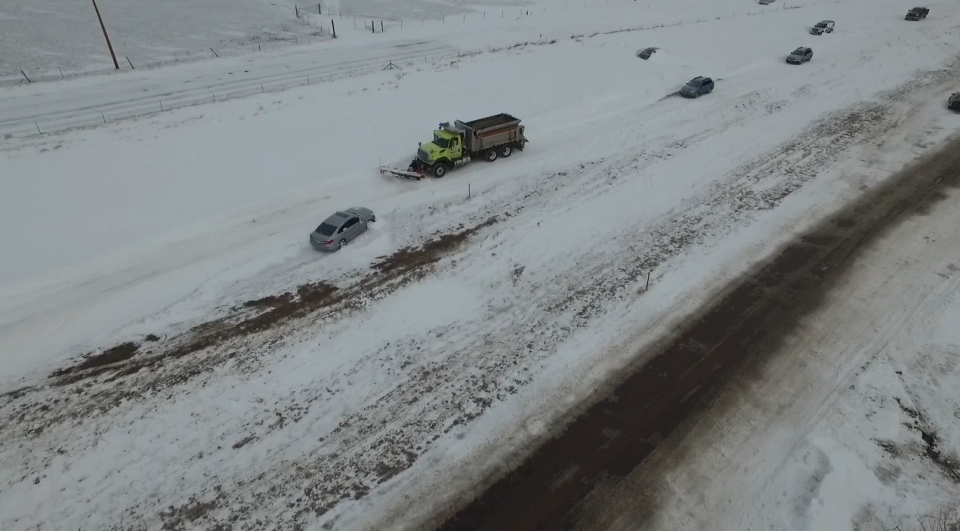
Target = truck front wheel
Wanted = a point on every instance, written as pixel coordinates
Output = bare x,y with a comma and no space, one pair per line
440,170
491,155
506,151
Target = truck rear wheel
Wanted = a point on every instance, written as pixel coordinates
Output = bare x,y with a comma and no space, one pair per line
440,170
506,151
491,155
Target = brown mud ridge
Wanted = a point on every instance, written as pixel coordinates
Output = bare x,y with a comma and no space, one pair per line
741,328
261,315
931,443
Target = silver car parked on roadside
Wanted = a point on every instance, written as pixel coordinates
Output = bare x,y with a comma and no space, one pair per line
341,227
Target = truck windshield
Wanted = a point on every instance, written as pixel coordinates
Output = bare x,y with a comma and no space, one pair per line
442,142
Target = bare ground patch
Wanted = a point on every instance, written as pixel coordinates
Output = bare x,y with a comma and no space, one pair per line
159,364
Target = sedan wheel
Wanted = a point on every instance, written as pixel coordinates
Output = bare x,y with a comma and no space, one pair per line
340,244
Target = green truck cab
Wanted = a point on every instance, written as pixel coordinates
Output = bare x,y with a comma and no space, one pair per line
445,146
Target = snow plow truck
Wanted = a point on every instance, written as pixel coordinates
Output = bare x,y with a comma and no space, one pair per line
456,145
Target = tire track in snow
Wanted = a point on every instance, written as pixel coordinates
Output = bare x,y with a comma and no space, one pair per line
617,277
479,372
727,341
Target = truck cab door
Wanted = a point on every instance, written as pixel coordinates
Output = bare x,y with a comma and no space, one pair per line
456,148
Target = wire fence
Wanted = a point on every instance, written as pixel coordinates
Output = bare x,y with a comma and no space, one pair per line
130,62
381,23
126,110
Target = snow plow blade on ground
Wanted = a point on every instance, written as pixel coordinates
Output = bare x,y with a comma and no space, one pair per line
413,172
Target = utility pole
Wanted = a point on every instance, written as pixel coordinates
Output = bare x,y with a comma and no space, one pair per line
105,36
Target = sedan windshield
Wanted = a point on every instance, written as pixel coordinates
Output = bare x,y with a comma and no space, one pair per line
821,24
799,51
326,229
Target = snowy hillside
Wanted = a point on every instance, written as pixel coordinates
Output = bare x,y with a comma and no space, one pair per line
175,355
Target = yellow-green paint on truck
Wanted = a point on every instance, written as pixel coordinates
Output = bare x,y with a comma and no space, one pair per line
457,144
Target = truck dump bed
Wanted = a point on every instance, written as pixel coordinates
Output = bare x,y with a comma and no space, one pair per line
491,131
496,120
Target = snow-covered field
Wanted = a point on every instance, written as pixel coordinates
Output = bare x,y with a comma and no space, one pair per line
52,40
251,382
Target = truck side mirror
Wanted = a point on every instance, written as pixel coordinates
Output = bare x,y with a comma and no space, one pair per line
419,144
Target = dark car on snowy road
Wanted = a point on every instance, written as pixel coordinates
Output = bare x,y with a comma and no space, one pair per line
824,26
800,55
954,102
696,87
646,53
917,13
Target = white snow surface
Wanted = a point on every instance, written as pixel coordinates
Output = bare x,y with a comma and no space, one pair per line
156,224
48,39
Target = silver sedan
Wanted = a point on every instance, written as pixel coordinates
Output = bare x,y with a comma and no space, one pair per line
341,227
